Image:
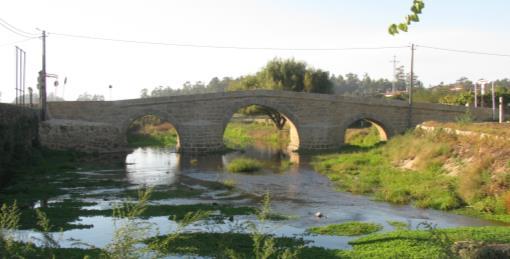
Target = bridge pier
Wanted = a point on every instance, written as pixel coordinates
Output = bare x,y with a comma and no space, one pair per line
201,137
316,137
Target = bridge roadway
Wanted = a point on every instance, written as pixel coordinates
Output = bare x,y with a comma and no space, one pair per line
318,121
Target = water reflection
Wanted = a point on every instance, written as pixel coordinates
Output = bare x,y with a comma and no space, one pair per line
152,166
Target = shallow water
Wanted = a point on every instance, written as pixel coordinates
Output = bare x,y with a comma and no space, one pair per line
298,191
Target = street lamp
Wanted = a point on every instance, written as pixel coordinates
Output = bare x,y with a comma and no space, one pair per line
482,83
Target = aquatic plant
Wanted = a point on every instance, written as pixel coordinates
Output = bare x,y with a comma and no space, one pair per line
352,228
244,164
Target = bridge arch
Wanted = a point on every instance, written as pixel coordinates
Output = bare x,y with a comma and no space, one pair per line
161,115
292,119
383,127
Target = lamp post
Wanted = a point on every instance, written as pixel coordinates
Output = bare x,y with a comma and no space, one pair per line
110,89
482,82
493,102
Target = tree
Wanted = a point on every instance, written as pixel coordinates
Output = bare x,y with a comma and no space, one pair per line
317,81
416,9
283,74
88,97
144,93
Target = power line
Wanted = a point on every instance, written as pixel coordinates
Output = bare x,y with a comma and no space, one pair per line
17,42
465,51
15,30
220,46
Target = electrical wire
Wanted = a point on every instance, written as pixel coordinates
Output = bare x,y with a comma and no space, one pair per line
17,42
15,30
465,51
219,46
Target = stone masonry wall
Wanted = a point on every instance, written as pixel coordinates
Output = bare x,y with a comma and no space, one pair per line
81,136
320,120
18,137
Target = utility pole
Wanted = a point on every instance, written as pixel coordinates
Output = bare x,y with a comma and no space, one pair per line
30,96
410,90
394,61
476,95
42,90
493,103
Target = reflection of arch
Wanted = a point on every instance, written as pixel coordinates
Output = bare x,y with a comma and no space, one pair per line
384,128
289,115
164,117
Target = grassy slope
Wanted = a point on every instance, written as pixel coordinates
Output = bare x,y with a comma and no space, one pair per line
430,170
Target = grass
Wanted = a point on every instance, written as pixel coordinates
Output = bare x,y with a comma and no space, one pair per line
422,243
491,128
239,135
217,245
436,170
244,165
363,137
157,139
399,225
352,228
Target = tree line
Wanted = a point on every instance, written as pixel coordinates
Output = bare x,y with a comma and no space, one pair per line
292,75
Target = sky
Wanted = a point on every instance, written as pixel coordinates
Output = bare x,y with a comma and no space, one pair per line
92,65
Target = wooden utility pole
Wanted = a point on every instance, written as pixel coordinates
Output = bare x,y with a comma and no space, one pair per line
410,90
42,90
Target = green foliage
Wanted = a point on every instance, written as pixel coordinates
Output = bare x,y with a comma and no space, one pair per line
352,228
399,225
416,9
244,164
465,118
364,137
461,98
128,231
240,135
239,245
428,243
372,172
9,217
215,85
149,130
286,74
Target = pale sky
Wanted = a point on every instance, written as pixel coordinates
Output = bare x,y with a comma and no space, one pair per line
92,65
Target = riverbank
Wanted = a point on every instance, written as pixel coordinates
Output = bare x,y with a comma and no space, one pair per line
429,169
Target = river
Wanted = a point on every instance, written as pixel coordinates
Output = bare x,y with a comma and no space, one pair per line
296,190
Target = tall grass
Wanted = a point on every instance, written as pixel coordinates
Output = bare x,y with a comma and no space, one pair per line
411,168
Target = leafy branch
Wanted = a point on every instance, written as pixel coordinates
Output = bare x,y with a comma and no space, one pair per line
416,10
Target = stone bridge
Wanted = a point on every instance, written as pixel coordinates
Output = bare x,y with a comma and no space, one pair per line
318,121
